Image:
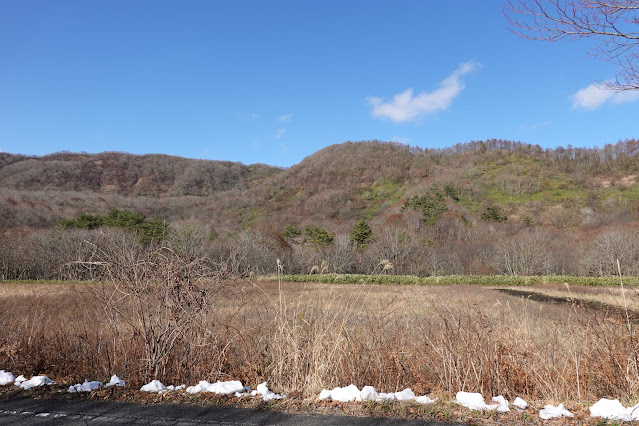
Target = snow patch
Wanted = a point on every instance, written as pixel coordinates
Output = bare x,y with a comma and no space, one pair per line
520,403
19,380
85,387
265,393
551,412
115,381
346,394
425,399
262,390
502,404
230,387
324,394
154,386
174,388
475,401
612,409
6,378
35,381
368,393
405,395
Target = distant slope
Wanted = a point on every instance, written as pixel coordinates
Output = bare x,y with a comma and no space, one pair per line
335,187
127,174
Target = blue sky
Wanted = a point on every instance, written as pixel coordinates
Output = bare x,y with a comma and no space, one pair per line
274,81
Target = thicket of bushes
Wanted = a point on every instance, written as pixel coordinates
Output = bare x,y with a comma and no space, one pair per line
147,230
56,254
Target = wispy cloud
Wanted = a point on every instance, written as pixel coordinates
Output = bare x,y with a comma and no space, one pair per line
285,118
280,133
255,116
405,106
399,139
594,96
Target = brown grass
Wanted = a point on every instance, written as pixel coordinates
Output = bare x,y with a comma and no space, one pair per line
433,339
612,296
34,289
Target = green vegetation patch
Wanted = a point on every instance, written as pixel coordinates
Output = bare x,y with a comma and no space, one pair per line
382,192
311,235
483,280
361,234
148,230
432,205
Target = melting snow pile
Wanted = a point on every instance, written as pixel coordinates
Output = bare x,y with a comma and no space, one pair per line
226,388
551,412
612,409
89,386
264,392
345,394
368,393
85,387
6,378
115,381
520,403
234,387
35,381
475,401
156,386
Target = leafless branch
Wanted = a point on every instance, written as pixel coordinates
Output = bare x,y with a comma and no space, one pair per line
613,23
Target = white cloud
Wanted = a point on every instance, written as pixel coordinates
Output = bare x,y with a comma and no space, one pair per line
255,116
405,106
594,96
285,117
280,133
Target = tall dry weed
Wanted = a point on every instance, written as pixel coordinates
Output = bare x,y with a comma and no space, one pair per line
391,337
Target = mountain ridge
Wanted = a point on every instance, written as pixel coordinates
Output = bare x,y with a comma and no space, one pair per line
333,187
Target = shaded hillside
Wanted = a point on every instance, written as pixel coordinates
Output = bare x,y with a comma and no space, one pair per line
39,191
151,175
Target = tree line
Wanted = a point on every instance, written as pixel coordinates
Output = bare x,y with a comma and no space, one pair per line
449,246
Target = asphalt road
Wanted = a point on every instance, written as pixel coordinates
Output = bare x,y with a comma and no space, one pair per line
30,411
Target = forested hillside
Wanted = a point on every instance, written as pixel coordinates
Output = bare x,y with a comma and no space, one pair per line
477,208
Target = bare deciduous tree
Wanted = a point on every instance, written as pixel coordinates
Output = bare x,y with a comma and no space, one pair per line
524,254
395,246
609,247
342,255
613,23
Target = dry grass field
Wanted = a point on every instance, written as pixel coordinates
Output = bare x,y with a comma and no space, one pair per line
628,298
305,337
